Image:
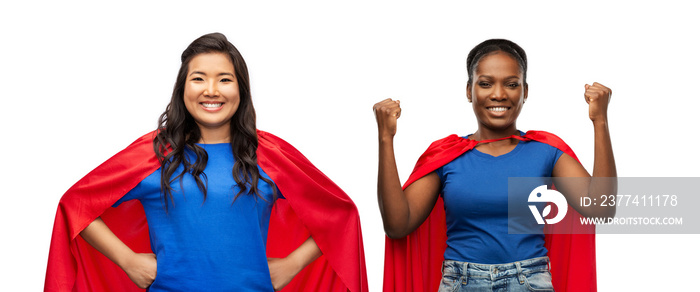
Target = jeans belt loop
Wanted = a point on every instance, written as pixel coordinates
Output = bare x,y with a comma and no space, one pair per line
465,273
521,276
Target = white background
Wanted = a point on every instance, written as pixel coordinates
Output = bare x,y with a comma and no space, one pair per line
80,81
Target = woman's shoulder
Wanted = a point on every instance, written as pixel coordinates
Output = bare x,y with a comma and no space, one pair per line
543,136
450,139
146,138
141,146
270,145
267,139
550,139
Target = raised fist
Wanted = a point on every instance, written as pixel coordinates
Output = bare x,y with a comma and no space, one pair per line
597,96
387,113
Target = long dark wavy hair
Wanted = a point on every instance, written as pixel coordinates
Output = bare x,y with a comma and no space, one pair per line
177,130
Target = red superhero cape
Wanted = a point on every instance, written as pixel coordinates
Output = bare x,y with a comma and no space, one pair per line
414,263
313,205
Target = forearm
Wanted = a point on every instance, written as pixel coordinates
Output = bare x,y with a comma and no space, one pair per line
393,204
305,254
140,268
604,180
282,271
103,240
604,160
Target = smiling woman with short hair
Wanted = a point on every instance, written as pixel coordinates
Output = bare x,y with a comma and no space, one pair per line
470,175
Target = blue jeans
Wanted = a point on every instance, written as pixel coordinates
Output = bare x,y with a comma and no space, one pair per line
527,275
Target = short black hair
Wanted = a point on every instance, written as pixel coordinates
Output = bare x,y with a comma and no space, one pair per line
491,46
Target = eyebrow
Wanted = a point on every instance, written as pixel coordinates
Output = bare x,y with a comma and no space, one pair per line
489,76
220,74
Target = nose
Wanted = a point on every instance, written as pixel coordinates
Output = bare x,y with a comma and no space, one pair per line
499,93
212,90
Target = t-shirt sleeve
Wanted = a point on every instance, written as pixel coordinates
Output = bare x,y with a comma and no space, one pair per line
556,154
133,194
441,174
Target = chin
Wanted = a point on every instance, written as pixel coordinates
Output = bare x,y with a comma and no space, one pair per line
498,126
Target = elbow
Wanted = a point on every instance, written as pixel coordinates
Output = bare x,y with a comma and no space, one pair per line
394,233
601,212
395,227
610,212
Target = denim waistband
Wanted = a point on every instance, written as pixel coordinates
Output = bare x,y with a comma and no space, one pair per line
495,271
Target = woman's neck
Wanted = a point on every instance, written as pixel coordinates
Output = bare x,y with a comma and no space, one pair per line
487,134
496,148
214,136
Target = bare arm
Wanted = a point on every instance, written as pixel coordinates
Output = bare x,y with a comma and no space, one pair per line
402,211
283,270
604,180
141,268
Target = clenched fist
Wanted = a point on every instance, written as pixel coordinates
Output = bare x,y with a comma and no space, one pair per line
387,113
597,96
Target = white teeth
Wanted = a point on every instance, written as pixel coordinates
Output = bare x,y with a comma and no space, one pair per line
212,105
498,109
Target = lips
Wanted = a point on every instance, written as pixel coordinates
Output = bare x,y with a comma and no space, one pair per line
212,106
498,109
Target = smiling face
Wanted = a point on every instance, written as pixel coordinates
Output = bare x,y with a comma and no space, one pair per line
211,94
497,92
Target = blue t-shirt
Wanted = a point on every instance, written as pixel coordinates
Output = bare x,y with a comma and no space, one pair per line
208,245
474,187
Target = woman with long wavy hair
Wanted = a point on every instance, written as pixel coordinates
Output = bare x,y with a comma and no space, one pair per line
210,184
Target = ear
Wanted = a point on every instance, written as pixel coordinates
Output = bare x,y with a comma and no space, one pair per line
525,93
469,92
